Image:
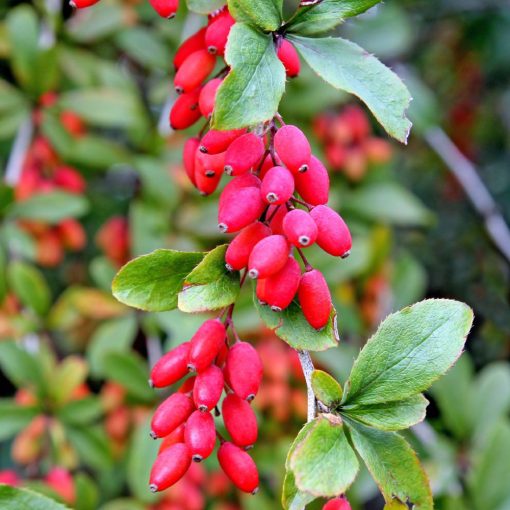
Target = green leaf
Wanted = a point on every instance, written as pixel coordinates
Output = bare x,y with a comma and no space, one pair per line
92,445
115,335
292,497
14,417
209,286
87,495
326,388
409,351
20,367
81,412
130,371
393,465
12,498
290,325
265,14
323,463
29,285
3,275
373,202
346,66
142,453
326,15
50,207
144,46
391,415
204,6
252,90
69,374
151,282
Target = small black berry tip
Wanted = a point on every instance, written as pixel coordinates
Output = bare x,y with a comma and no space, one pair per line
346,254
228,169
212,50
276,309
197,458
253,274
191,367
229,268
153,434
153,487
203,149
151,383
304,240
254,491
249,447
250,397
203,408
179,90
303,168
223,228
271,198
172,16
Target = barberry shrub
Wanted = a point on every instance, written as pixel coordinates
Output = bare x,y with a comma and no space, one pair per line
275,205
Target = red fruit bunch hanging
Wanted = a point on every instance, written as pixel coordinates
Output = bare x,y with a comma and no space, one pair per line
349,144
185,420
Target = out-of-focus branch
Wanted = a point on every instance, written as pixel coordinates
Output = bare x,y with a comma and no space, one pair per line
467,176
18,152
308,368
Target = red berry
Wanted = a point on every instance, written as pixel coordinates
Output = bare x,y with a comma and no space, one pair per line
171,413
240,421
242,208
266,166
277,186
315,298
185,111
289,58
218,141
69,179
206,183
187,386
243,370
276,223
188,157
165,8
279,290
236,184
189,46
300,228
177,436
208,97
170,466
313,185
238,251
243,154
334,236
171,367
200,435
217,33
193,71
268,256
239,467
208,388
72,234
81,4
205,344
293,148
337,504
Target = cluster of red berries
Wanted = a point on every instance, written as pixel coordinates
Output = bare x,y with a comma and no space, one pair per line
349,144
185,420
195,60
165,8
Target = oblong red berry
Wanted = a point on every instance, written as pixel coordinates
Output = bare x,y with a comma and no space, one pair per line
81,4
217,33
193,43
185,111
240,421
209,164
267,164
268,256
218,141
239,467
276,218
208,96
188,157
333,236
339,503
200,435
243,154
289,58
193,71
243,181
208,388
205,344
70,179
169,467
177,436
243,370
279,290
171,367
239,249
171,413
313,185
165,8
206,184
242,208
277,185
293,148
300,228
315,298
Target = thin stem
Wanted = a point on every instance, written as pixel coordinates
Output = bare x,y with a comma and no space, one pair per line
301,202
307,366
273,214
308,266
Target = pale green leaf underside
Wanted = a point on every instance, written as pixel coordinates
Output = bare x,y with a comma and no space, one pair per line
391,415
326,388
347,66
323,462
151,282
291,326
252,90
204,6
12,498
393,464
409,351
326,15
